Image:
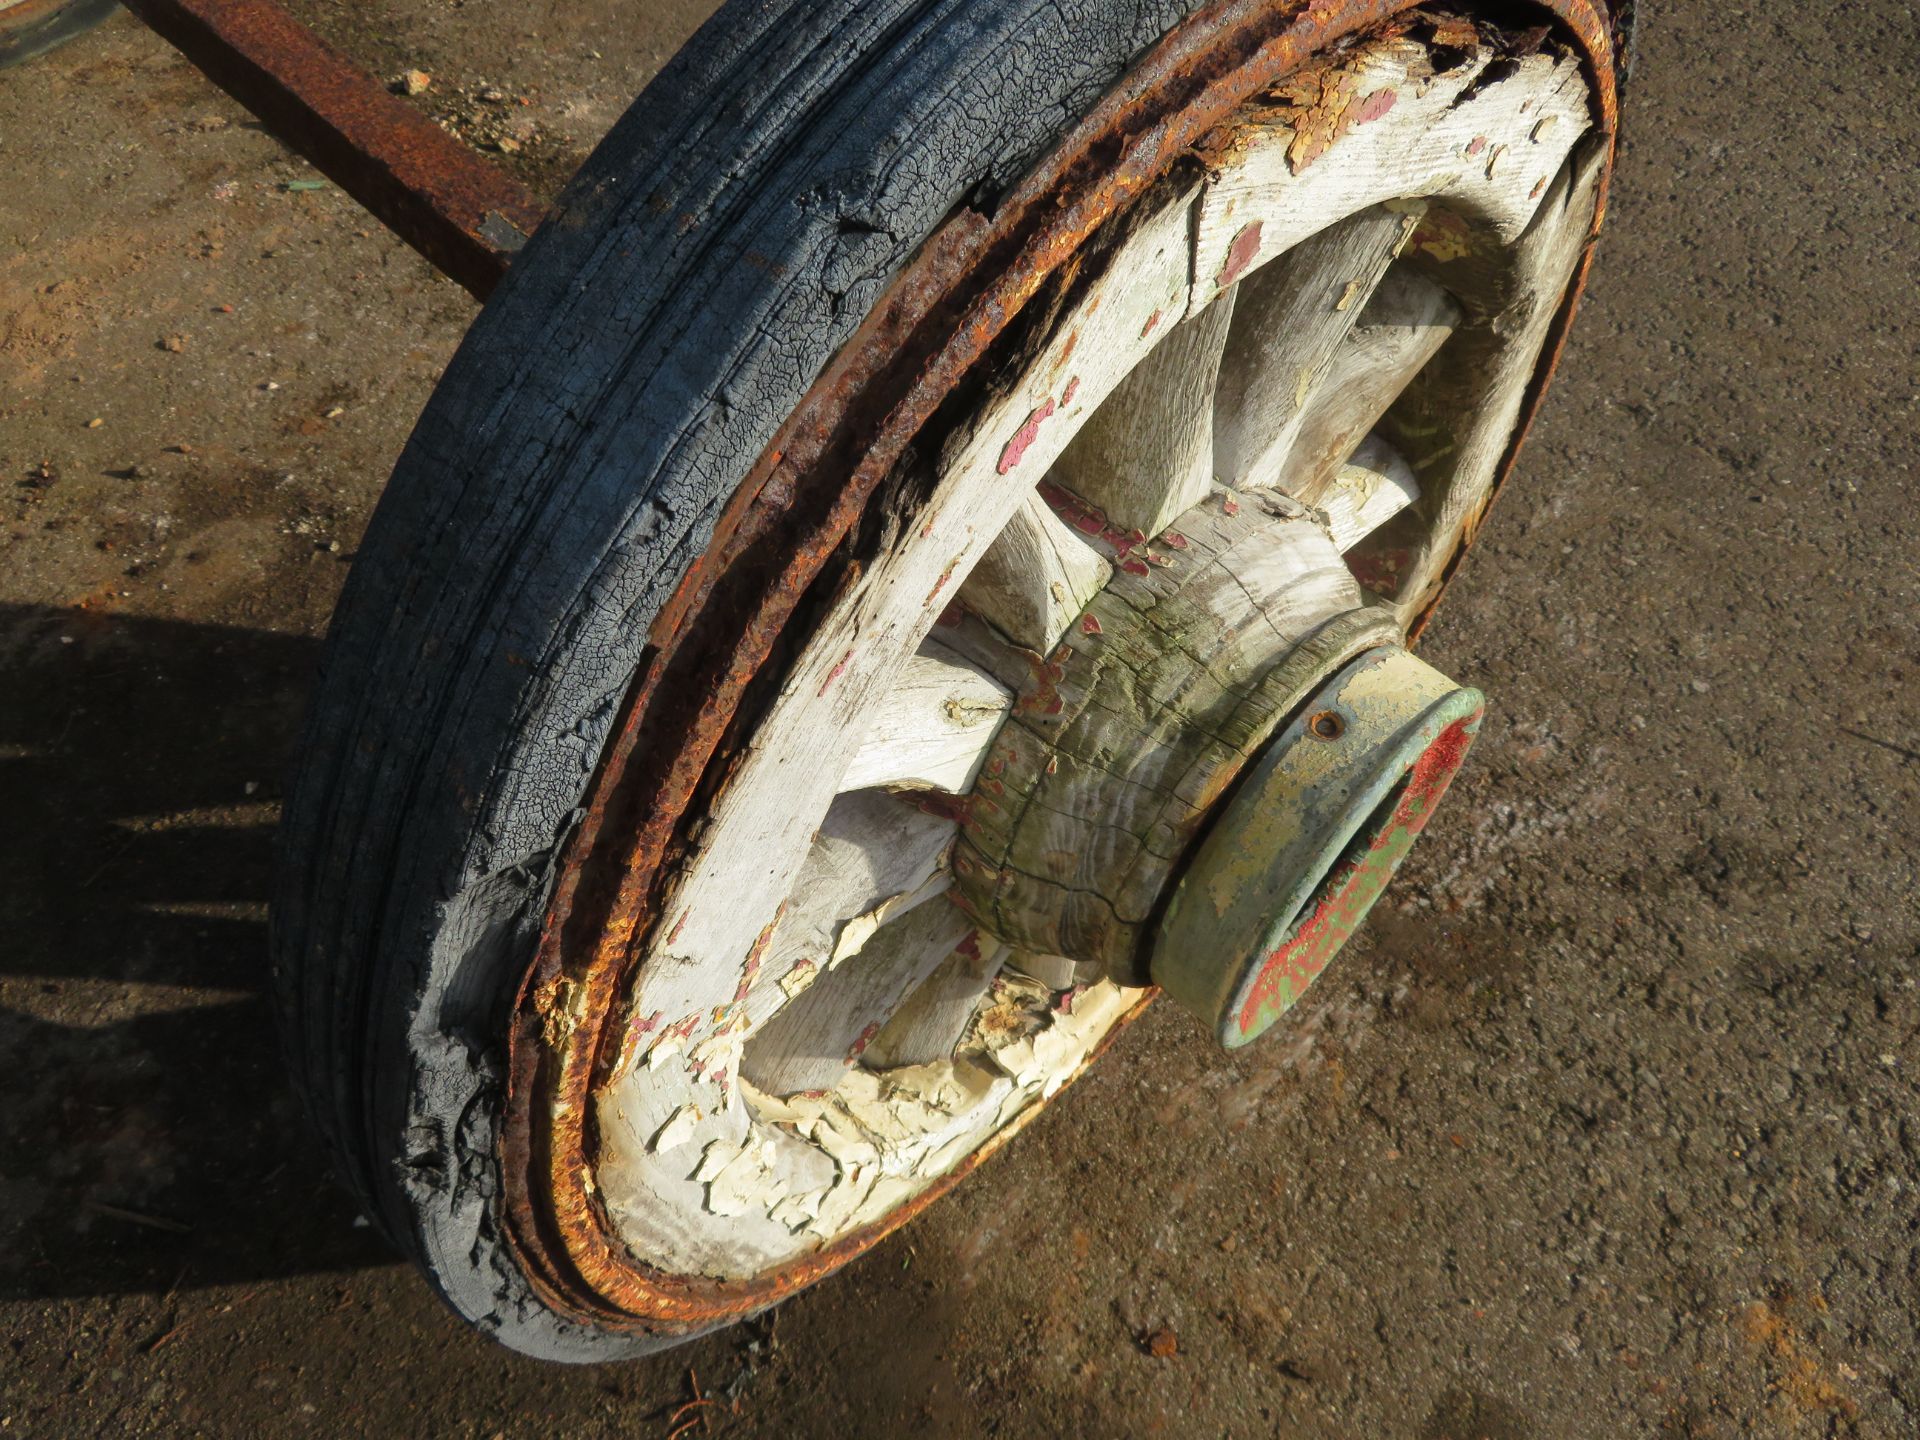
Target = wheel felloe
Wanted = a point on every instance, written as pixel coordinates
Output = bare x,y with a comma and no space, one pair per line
1320,823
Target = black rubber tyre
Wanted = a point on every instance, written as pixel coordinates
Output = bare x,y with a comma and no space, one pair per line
721,244
35,27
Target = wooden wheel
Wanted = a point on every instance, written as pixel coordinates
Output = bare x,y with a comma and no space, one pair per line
1082,557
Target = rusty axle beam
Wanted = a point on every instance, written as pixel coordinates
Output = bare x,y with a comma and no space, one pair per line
466,216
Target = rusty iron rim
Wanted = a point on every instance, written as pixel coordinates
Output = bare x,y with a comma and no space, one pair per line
774,543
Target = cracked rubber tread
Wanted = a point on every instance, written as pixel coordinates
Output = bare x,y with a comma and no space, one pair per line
725,239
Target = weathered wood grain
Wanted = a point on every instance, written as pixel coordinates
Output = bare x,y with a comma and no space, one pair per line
1134,726
1377,126
932,729
932,1019
1035,577
1146,455
1405,323
1373,486
810,1043
1291,320
1454,423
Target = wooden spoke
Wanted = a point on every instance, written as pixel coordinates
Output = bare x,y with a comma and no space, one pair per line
931,1021
810,1043
933,729
1408,319
1289,325
1147,454
1035,577
874,859
763,821
1373,486
1454,422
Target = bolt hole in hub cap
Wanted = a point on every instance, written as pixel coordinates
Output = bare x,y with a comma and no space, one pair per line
1309,841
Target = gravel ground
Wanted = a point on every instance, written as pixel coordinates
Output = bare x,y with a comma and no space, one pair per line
1607,1127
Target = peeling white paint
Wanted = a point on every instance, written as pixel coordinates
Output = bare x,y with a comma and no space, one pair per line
677,1131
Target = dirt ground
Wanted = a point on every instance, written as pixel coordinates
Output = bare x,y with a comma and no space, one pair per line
1609,1126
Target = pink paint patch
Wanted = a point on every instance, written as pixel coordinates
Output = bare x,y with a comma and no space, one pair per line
1174,541
1089,625
947,807
866,1039
1073,389
1240,255
838,671
1374,106
1024,437
1476,145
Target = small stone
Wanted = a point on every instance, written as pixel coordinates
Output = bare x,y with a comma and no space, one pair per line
416,82
1700,687
507,145
1162,1343
174,344
95,423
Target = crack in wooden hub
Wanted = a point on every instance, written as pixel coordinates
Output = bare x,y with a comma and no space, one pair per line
1308,842
1127,737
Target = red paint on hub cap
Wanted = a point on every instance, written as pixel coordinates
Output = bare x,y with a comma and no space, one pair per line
1355,883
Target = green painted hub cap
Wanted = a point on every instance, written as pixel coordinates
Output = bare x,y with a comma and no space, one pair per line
1310,838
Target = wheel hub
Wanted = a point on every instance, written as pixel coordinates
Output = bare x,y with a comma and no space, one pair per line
1309,840
1210,781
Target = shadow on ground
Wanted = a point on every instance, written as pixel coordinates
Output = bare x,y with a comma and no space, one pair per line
151,1141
